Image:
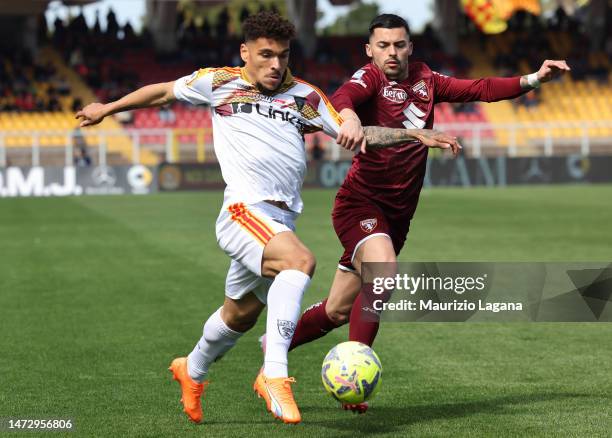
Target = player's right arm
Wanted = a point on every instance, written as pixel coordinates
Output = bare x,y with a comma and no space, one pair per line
195,89
145,97
351,94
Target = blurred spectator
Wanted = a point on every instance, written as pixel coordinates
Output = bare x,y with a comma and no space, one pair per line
125,117
465,107
529,100
78,26
166,115
222,23
317,151
53,103
244,13
205,29
59,32
180,20
62,86
43,30
76,58
112,26
97,29
82,158
77,104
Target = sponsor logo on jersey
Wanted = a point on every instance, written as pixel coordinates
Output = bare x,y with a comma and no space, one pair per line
396,95
300,102
269,113
357,78
368,225
358,74
420,89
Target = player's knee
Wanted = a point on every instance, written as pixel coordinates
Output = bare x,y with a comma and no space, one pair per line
385,266
339,316
303,261
338,312
240,320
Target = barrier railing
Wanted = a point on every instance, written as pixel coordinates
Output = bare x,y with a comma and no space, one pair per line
33,148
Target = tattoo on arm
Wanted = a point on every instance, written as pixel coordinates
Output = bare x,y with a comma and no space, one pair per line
379,137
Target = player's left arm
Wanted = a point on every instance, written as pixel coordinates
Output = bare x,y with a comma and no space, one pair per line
351,135
378,136
550,70
493,89
381,137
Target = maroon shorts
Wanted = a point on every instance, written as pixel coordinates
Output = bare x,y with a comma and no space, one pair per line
356,219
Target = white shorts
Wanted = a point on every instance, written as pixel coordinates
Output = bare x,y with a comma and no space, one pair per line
243,232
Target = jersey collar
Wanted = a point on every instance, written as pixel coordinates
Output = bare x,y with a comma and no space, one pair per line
403,81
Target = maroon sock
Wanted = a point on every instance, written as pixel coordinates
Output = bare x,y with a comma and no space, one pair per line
313,324
364,321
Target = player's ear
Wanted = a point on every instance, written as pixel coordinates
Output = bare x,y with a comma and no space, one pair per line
244,52
410,47
368,50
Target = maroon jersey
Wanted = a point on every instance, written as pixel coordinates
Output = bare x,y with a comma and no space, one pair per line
393,177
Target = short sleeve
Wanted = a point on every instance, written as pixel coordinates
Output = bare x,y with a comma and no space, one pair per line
196,88
361,87
329,120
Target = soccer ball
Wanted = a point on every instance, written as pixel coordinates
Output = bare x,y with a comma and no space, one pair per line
351,372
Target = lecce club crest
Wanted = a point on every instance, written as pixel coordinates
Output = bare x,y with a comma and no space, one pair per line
285,328
368,225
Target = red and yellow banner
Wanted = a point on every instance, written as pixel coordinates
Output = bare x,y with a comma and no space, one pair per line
491,16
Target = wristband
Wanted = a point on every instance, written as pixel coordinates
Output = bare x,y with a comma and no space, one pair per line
533,81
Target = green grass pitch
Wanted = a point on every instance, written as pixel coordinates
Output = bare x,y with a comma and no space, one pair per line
98,294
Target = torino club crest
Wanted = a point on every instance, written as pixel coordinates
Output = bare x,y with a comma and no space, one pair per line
420,89
368,225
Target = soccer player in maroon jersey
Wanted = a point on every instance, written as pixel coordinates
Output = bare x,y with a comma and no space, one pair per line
379,196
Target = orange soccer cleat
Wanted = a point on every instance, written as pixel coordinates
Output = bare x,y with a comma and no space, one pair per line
278,396
191,390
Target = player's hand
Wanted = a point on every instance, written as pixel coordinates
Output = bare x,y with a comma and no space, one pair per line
91,115
441,140
552,69
351,136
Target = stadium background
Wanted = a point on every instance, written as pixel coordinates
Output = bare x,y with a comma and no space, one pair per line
98,293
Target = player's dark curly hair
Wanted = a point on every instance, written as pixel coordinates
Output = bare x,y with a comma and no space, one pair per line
268,24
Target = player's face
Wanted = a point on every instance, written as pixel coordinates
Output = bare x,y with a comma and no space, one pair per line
390,50
265,61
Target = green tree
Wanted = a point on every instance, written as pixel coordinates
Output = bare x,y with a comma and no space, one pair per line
198,11
355,22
